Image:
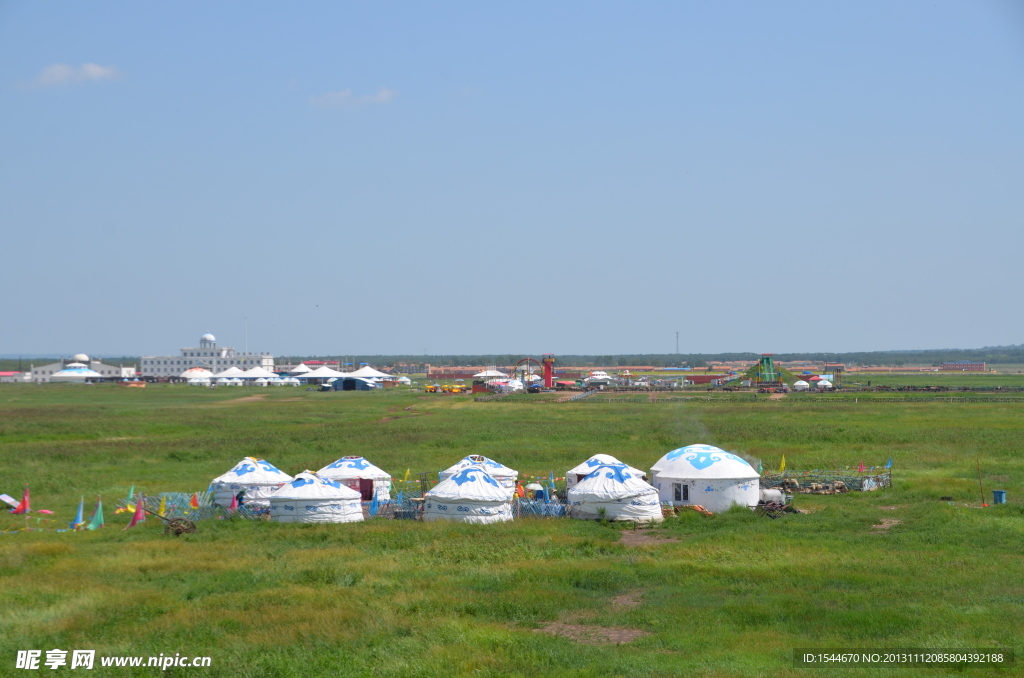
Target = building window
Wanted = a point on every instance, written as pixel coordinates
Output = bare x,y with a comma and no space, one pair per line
680,492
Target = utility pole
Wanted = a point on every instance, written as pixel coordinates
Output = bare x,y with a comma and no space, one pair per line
245,319
677,343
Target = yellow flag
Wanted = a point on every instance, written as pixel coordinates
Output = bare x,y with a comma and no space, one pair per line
406,478
163,504
782,464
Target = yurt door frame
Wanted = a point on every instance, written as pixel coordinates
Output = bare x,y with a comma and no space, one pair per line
680,492
366,488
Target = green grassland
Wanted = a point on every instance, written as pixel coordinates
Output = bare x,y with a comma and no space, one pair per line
730,595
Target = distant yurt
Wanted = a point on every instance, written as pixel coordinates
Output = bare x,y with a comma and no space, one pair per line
312,499
360,475
612,492
705,475
824,384
800,385
256,477
503,474
469,495
76,373
578,473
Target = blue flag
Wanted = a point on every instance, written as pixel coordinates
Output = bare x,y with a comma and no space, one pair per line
79,520
374,505
889,463
399,498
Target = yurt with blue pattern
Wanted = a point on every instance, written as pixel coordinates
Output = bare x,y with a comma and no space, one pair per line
503,474
470,495
312,499
360,475
578,473
707,476
614,492
256,477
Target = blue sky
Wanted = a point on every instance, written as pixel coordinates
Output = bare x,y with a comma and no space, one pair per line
495,178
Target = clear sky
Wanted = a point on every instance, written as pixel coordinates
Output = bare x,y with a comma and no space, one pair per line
482,177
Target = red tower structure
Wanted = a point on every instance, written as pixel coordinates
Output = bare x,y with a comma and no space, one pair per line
548,361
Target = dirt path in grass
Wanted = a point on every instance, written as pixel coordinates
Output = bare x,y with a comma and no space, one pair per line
641,538
592,635
412,413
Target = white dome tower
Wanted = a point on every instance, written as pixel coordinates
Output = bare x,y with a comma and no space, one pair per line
207,341
80,358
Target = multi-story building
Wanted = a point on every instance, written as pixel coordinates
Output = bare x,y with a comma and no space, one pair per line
207,354
963,366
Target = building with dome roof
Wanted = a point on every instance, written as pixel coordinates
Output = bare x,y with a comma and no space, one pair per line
206,355
80,369
705,475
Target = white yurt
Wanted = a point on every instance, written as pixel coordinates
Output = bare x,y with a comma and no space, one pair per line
258,478
360,475
800,385
578,473
236,382
76,373
196,373
312,499
196,381
705,475
612,492
824,384
259,382
503,474
470,495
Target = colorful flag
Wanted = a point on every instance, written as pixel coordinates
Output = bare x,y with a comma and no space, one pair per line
97,517
760,468
139,516
234,504
374,505
782,464
400,498
888,464
79,520
26,504
163,505
131,493
194,501
860,468
406,478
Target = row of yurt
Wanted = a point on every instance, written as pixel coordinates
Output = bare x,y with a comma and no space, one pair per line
578,473
820,384
256,480
614,492
469,495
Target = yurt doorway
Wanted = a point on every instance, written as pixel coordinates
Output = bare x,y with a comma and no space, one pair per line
366,488
680,492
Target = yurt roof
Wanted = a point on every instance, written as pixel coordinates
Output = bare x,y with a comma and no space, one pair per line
602,460
301,368
308,485
323,372
490,373
230,372
494,468
83,372
703,461
196,373
352,467
824,382
800,383
252,471
472,483
369,372
608,483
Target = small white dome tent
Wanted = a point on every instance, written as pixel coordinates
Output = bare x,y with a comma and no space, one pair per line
705,475
578,473
360,475
824,384
312,499
612,492
503,474
258,478
470,495
800,385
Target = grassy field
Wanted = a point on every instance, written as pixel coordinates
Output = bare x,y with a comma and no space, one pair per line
730,595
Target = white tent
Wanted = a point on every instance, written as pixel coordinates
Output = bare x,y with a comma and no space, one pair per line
490,374
469,496
360,475
196,381
312,499
824,383
236,381
301,368
322,373
800,385
258,478
196,373
500,472
578,473
229,373
290,381
260,381
367,371
224,382
257,373
705,475
404,380
613,493
76,373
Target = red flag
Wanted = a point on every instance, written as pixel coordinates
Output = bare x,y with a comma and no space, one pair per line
26,505
140,513
234,503
194,501
860,469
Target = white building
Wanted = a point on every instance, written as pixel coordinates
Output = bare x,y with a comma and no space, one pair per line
44,373
208,355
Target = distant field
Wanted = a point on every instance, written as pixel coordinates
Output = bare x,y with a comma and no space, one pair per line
730,595
934,379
